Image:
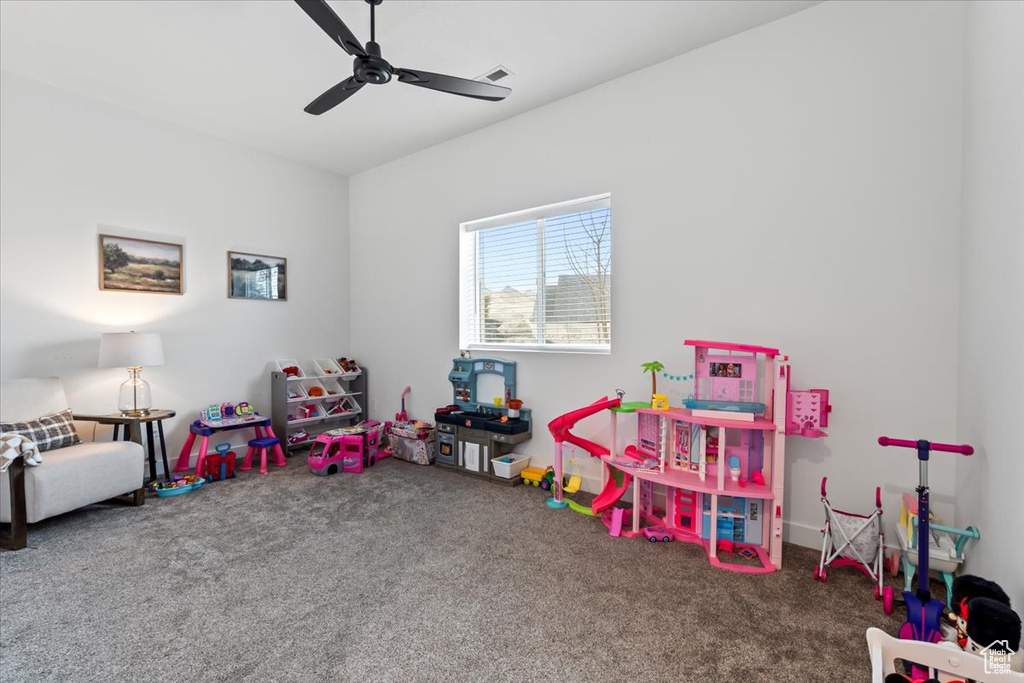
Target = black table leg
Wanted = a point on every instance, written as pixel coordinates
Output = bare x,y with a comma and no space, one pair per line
117,431
152,451
163,448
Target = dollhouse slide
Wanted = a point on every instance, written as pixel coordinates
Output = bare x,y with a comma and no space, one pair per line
561,425
612,491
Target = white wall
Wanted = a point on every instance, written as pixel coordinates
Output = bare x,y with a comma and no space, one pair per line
820,152
991,396
70,164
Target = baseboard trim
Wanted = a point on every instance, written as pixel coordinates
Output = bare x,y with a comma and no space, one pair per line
801,534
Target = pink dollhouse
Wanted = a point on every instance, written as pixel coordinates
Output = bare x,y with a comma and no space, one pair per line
721,457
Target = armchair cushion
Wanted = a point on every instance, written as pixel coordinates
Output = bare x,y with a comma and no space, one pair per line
48,432
73,477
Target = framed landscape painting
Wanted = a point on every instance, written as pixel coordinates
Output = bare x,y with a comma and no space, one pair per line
254,276
129,264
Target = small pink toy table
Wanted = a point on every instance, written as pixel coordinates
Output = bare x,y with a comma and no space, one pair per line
208,428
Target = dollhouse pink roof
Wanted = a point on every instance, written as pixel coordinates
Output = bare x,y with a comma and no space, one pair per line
729,346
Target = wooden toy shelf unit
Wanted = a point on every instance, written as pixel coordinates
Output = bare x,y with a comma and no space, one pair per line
721,458
306,403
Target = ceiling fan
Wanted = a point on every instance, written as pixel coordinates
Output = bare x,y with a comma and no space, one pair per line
370,67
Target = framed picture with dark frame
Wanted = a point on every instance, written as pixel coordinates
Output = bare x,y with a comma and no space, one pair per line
130,264
256,276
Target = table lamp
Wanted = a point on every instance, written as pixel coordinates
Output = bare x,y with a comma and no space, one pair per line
132,350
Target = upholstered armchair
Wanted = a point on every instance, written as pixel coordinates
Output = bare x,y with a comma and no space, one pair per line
72,474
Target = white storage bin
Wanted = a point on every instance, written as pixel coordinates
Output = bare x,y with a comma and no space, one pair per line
341,406
296,392
326,366
305,413
313,388
510,470
333,388
290,363
349,368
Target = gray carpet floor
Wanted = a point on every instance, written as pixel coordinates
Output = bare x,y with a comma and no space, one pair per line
405,573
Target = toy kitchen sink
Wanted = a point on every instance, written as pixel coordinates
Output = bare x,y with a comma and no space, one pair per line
492,421
470,432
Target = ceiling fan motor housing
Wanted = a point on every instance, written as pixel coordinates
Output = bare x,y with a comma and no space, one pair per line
372,68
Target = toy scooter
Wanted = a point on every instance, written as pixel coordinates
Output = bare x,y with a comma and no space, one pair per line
924,614
403,416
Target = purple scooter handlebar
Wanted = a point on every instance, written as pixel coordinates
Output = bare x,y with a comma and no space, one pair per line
904,443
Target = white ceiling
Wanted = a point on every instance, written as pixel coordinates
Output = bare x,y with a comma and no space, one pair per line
242,70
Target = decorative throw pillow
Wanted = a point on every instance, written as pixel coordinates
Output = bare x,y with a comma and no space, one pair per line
49,433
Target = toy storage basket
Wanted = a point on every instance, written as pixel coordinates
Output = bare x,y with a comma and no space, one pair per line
412,445
326,366
331,386
290,363
510,470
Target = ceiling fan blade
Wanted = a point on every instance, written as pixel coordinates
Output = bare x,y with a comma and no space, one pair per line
335,96
453,85
320,12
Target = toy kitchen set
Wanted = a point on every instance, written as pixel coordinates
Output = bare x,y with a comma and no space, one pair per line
478,428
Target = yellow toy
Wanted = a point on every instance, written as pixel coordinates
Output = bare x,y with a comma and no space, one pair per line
538,477
575,475
659,402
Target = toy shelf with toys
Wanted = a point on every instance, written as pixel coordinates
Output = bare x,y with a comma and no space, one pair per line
711,473
307,402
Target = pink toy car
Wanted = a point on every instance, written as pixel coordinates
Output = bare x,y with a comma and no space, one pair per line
657,533
331,453
346,449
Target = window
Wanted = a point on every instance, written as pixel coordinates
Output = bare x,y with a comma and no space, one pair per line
538,279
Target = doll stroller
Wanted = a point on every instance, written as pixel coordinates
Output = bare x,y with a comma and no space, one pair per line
854,540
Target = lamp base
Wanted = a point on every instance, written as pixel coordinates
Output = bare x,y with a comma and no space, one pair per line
134,398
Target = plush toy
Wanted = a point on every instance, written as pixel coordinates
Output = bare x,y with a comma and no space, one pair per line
980,618
13,445
990,625
967,588
983,619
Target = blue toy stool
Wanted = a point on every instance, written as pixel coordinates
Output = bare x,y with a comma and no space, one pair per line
261,444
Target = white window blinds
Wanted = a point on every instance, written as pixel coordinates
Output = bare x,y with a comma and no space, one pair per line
538,279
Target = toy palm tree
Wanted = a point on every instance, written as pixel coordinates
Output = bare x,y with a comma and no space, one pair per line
654,367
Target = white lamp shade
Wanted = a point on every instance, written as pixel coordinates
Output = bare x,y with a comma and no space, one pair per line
130,349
